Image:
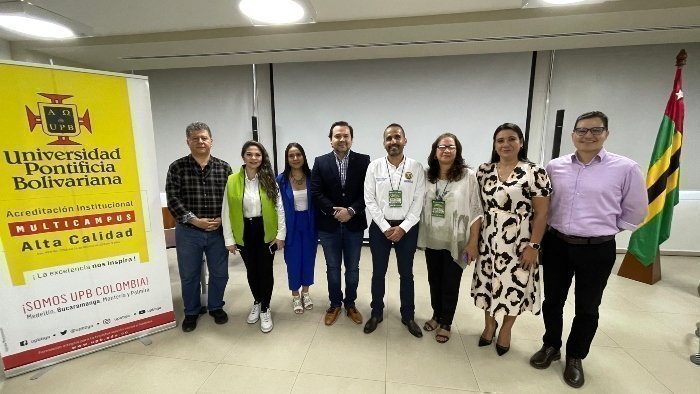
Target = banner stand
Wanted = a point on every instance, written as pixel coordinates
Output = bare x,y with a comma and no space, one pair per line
83,263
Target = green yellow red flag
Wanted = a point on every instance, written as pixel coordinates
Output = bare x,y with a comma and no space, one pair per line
662,177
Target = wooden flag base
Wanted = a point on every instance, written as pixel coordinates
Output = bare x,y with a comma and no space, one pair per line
631,268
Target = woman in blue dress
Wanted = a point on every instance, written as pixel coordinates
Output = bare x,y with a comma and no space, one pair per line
302,237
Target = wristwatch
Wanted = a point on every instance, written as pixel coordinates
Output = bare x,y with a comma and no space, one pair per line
534,245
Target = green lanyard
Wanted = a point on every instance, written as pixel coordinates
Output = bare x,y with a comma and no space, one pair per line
440,196
391,182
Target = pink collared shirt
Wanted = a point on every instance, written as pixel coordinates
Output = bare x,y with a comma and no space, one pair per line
600,198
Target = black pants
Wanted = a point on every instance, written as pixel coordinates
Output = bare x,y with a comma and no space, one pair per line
258,262
444,278
591,264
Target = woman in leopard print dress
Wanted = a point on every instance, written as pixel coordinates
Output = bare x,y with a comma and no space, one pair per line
514,192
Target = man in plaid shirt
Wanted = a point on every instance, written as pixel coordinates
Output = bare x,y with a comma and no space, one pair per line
195,190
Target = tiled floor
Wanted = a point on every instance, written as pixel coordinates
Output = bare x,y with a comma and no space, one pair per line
642,345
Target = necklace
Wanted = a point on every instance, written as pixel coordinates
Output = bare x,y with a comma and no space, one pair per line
504,172
299,181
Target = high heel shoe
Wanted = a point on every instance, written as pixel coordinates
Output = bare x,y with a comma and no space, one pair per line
486,342
501,350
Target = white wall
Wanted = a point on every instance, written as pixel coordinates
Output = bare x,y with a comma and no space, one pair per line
20,54
5,50
218,96
467,95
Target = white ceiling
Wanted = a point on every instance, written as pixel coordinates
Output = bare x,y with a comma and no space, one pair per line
154,16
147,34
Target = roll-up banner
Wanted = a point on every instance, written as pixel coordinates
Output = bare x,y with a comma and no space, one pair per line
82,254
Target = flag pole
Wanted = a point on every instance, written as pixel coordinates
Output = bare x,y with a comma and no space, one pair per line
631,267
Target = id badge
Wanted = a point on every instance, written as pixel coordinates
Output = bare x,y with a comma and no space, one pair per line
438,208
395,199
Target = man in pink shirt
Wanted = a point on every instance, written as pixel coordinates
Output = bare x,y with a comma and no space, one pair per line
596,194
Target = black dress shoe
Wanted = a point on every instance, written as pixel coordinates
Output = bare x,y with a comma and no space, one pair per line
485,342
413,328
501,350
220,317
190,323
372,324
573,373
544,357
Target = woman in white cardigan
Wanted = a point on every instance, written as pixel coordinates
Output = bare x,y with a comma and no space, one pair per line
449,229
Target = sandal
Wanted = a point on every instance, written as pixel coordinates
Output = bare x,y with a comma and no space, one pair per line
306,299
440,337
296,304
431,325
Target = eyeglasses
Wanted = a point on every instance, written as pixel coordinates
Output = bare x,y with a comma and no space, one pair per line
581,131
446,147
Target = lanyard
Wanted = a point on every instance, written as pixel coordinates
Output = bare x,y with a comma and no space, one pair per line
440,196
391,182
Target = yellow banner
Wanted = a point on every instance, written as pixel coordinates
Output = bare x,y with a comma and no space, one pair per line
68,170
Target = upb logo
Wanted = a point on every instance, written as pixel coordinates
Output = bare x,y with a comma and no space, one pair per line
59,119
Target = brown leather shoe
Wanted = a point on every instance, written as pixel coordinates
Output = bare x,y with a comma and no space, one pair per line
573,373
332,315
544,357
354,315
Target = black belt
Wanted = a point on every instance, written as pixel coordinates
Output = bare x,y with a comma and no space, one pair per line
192,226
575,240
394,223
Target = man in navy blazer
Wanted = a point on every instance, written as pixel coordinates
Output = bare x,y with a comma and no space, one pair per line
337,187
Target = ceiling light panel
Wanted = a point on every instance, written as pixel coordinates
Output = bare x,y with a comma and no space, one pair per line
277,12
34,21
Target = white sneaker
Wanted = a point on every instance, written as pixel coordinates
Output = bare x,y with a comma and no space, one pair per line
266,321
254,314
306,299
296,305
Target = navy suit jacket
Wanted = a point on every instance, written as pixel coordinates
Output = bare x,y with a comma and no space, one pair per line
328,193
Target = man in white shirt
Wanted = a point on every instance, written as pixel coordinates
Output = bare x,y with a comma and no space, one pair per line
394,191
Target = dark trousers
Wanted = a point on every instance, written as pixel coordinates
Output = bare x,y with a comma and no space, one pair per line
258,262
591,265
405,250
444,278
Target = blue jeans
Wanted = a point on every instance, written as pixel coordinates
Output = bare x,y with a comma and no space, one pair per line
338,246
191,244
405,250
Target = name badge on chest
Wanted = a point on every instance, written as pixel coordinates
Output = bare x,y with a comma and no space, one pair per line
438,209
395,199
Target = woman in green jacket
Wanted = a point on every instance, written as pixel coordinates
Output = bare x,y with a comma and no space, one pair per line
253,223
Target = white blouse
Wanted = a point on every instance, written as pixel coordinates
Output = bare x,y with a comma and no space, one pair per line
301,200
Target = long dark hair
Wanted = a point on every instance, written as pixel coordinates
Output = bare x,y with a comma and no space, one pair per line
522,155
265,174
456,172
288,168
